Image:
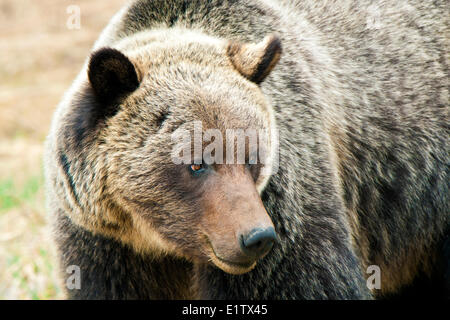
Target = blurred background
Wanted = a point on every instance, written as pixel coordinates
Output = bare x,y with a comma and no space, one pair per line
43,44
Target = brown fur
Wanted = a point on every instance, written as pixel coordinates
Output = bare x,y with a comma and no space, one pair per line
360,98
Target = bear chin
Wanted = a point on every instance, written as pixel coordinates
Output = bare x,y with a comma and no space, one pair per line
235,268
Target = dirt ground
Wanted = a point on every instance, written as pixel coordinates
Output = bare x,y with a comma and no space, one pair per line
41,51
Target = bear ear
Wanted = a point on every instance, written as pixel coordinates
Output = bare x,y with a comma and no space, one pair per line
112,75
255,60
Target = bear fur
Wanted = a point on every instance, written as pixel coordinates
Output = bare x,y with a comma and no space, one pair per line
359,93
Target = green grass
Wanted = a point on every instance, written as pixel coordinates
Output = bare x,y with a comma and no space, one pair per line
7,198
13,196
28,268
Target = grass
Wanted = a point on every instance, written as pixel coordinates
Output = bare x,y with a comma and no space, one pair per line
7,198
39,59
29,270
11,196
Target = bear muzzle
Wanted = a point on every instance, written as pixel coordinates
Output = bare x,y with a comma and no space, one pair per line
238,229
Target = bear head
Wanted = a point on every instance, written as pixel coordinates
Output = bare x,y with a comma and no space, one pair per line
174,108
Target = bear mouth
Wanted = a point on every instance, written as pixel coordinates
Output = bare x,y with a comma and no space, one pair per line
231,267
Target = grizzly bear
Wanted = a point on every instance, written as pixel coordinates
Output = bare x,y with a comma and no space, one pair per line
352,175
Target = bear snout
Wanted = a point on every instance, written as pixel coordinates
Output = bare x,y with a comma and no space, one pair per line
258,242
238,228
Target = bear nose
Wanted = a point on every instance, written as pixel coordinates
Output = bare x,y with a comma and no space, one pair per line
258,242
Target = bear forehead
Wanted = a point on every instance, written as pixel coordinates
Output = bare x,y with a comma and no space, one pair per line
166,47
224,108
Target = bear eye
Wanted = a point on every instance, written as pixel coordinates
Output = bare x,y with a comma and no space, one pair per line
253,169
197,168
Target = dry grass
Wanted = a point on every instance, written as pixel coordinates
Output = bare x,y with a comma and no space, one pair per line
39,58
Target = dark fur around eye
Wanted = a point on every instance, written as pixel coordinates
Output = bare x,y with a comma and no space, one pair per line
254,170
161,118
